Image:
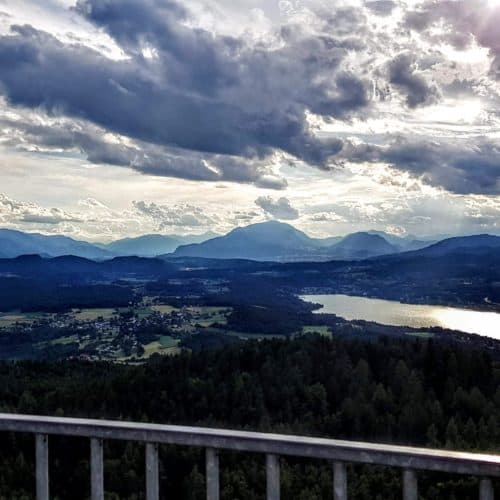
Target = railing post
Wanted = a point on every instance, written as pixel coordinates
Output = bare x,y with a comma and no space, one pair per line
152,472
410,485
212,473
273,477
96,469
42,467
339,481
486,489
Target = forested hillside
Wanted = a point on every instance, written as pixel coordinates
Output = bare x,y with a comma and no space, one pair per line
403,391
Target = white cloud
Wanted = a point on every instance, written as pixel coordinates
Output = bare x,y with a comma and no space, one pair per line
184,216
279,209
15,212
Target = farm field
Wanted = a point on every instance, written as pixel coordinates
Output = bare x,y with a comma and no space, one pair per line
165,346
65,340
8,320
242,335
167,342
93,314
325,331
209,315
164,309
421,335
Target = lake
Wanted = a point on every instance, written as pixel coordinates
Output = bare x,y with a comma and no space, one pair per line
389,312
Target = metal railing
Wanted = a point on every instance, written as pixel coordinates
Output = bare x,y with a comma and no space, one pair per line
339,453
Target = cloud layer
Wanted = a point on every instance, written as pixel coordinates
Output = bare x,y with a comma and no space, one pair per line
208,95
266,99
186,102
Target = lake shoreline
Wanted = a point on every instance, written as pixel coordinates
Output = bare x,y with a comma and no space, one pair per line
493,307
399,314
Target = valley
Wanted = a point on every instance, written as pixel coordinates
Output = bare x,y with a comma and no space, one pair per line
129,309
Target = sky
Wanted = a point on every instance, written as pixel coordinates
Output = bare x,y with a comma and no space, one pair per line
128,117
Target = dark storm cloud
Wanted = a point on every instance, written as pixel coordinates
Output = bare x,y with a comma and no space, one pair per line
200,92
193,58
197,105
456,166
146,158
90,142
403,75
122,96
130,21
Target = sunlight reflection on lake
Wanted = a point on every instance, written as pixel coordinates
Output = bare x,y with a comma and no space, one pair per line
419,316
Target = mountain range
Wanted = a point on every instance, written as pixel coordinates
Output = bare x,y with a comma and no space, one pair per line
470,245
277,241
15,243
458,271
268,241
151,245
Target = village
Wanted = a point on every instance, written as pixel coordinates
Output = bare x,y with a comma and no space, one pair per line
123,335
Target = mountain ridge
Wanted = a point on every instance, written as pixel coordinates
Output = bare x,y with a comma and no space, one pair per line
152,245
278,241
471,244
267,241
14,243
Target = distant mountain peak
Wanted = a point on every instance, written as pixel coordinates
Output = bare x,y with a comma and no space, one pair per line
152,245
279,241
270,225
362,245
14,243
464,243
364,236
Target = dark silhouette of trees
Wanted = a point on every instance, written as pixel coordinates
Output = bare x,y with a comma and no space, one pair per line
418,392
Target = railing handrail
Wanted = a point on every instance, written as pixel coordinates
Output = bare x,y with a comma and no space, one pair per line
274,444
